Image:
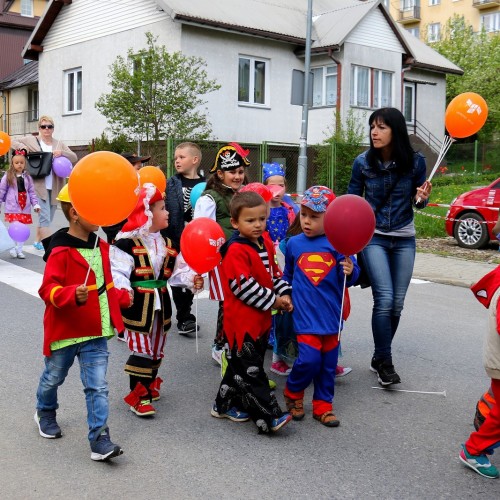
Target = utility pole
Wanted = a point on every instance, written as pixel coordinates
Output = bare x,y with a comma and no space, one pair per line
302,167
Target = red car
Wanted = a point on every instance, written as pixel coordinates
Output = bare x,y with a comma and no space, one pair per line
473,215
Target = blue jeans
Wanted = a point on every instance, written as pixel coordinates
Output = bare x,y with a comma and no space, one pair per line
93,358
389,262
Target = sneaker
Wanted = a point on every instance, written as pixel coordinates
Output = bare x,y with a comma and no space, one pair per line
121,337
278,423
38,245
143,408
154,388
217,354
479,463
272,384
13,253
103,448
188,326
20,255
281,368
47,424
342,371
385,371
138,401
295,407
233,414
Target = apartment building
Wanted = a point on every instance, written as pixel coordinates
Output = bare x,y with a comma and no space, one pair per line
426,19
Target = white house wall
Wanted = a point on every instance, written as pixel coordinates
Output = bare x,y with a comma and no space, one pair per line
280,122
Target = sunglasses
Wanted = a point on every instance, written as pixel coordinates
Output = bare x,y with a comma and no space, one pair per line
43,127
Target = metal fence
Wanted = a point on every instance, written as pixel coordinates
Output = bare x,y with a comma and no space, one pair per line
20,124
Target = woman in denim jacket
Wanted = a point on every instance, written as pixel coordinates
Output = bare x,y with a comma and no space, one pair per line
392,178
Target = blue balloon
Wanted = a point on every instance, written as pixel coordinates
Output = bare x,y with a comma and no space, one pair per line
196,193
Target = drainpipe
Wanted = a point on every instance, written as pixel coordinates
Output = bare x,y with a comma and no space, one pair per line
339,87
4,99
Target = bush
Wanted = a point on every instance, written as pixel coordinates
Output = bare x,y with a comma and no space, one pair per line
117,144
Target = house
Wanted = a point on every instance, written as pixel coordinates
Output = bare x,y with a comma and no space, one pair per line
360,60
18,18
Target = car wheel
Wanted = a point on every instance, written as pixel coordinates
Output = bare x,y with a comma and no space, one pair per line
471,231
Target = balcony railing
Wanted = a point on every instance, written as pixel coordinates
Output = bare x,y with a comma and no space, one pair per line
23,123
485,4
409,15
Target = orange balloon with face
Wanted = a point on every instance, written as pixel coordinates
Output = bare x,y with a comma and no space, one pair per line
465,115
103,188
153,175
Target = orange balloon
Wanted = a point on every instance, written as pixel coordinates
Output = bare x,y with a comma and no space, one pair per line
104,188
465,115
153,175
4,143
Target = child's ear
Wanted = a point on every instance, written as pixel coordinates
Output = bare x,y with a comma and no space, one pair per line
234,223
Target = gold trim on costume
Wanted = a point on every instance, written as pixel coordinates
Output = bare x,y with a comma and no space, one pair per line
52,292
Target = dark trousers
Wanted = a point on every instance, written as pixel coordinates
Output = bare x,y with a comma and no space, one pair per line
183,300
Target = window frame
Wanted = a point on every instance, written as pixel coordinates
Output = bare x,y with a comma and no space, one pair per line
496,22
76,94
406,95
33,104
359,72
433,3
325,77
251,89
413,30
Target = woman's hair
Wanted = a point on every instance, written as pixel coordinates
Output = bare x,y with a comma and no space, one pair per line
45,118
402,152
247,199
11,173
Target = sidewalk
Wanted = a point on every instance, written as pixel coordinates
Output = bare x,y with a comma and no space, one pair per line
449,270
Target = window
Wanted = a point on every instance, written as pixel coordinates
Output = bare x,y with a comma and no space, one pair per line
33,105
491,22
73,91
370,88
409,4
27,8
414,31
325,86
252,85
434,2
382,89
409,102
434,32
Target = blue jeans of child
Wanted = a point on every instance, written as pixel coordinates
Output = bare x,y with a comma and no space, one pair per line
389,261
93,358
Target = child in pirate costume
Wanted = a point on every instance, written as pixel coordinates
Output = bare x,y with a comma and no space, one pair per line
252,286
228,175
141,261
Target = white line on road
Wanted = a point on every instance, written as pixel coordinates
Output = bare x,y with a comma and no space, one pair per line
20,278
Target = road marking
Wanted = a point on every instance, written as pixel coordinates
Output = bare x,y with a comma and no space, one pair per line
20,278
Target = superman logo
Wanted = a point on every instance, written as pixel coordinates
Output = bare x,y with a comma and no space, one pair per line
316,266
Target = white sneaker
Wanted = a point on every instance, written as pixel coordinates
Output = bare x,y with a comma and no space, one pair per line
20,255
217,355
13,253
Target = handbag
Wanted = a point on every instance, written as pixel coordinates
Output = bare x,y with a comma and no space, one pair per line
39,163
363,278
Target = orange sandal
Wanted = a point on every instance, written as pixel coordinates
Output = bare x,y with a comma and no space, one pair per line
295,407
328,418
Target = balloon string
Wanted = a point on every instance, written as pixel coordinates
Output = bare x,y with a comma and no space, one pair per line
91,259
196,320
445,146
342,307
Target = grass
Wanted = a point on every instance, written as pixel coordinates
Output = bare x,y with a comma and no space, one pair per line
430,222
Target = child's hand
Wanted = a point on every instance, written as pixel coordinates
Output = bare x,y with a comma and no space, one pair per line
198,282
348,266
131,297
287,303
36,208
82,294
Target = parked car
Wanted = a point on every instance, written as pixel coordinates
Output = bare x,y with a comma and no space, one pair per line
473,215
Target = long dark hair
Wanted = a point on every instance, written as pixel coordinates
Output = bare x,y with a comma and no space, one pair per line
402,152
217,185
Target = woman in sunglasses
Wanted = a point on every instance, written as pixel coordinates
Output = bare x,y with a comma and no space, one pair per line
52,183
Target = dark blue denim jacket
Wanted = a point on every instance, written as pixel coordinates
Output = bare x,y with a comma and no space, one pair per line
397,212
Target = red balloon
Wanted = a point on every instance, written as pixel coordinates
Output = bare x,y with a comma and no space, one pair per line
259,188
200,244
349,223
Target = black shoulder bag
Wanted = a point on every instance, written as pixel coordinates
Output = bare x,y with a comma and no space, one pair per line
39,163
364,279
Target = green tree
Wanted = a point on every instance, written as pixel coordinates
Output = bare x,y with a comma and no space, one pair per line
335,156
156,94
478,54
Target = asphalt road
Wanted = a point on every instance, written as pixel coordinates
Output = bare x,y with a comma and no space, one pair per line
392,445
